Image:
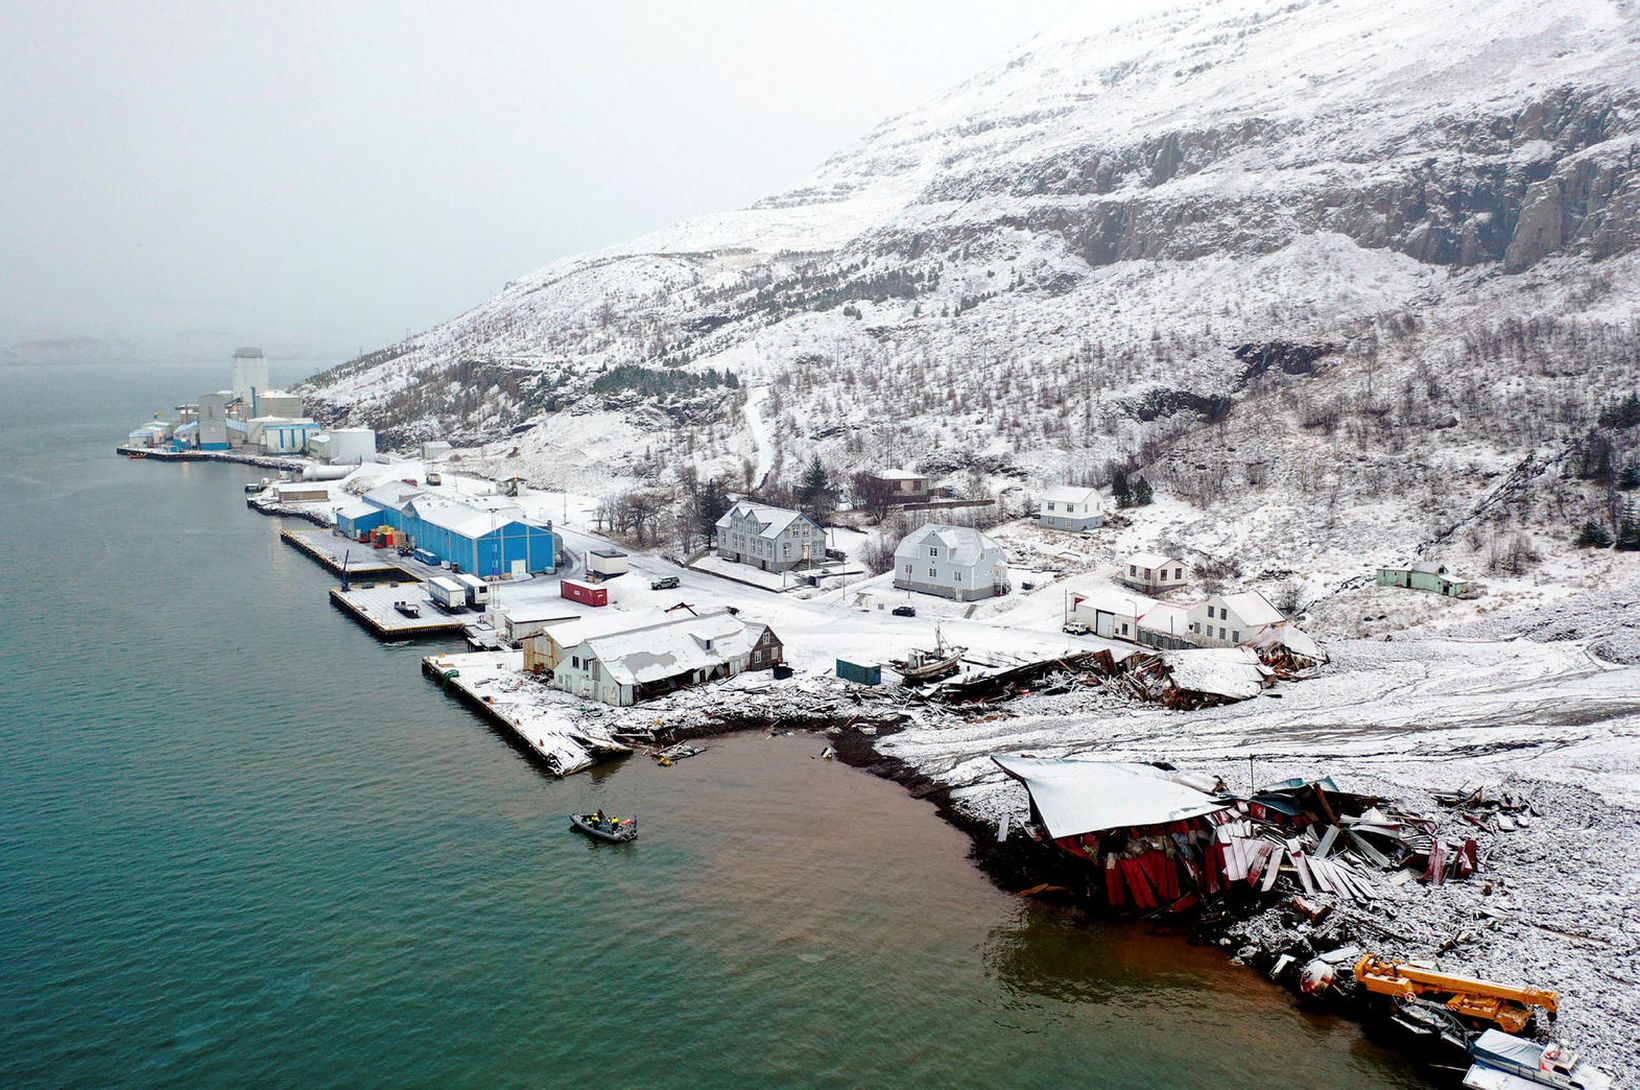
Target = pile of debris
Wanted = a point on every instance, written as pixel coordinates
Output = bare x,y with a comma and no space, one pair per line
1497,813
1158,839
1198,678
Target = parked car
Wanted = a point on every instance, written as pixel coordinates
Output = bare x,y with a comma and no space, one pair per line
669,582
905,611
1076,628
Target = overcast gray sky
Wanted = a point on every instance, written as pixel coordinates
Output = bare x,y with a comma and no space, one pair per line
319,177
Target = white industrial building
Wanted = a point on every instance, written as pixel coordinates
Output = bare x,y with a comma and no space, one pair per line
278,403
213,420
250,380
280,434
343,446
951,561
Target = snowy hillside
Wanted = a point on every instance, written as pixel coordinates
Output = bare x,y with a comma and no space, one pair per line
1372,263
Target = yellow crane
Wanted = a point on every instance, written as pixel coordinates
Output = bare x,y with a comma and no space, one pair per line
1508,1006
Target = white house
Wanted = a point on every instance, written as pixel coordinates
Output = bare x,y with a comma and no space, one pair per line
1075,509
1151,572
1113,614
641,663
1226,620
771,538
952,562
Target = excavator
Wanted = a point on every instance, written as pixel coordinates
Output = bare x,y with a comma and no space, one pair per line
1507,1006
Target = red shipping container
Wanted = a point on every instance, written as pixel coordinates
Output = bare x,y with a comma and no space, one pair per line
580,592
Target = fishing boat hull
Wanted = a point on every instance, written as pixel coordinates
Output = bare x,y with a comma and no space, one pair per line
628,830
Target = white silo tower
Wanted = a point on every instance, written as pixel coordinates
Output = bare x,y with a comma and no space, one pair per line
250,379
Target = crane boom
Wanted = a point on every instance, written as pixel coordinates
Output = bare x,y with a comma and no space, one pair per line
1506,1005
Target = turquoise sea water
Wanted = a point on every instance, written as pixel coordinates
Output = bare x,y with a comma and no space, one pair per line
244,844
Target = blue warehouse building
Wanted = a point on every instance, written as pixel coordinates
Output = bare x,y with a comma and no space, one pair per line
484,535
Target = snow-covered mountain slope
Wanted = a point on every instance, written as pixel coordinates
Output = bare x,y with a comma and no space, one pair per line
1242,244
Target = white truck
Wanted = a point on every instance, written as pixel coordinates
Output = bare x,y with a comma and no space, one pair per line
447,594
477,591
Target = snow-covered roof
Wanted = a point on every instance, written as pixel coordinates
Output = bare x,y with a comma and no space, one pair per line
899,475
1252,607
1150,560
642,655
1120,602
394,494
962,544
573,630
1221,671
460,518
1166,617
772,521
1293,639
1076,796
358,509
1067,494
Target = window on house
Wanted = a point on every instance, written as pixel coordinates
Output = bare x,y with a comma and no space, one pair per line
933,552
575,661
1132,570
932,572
958,576
592,664
1124,628
1178,573
1235,634
908,569
1221,632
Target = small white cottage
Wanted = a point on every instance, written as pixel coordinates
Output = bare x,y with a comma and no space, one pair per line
1075,509
1151,572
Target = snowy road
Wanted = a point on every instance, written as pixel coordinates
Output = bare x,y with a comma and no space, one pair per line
761,433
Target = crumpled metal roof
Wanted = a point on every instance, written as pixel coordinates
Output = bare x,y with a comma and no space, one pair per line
1076,796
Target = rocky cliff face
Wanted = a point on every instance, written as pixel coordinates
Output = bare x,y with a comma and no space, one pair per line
1056,263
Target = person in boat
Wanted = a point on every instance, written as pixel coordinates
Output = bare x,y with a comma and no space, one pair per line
614,823
598,818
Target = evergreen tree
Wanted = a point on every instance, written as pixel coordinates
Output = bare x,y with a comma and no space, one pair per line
814,494
1141,492
1629,479
710,506
1120,490
1628,531
1593,536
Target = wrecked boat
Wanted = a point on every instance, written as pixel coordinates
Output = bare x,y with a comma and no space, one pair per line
1507,1062
921,665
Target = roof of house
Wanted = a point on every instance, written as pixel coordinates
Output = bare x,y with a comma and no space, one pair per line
659,651
1293,639
772,521
1234,672
899,475
1066,494
963,544
1252,607
1150,560
1076,796
358,509
571,631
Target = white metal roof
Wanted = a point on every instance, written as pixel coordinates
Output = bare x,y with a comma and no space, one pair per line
963,545
1166,617
394,494
1151,560
1076,796
900,475
660,651
358,509
1120,602
461,518
571,631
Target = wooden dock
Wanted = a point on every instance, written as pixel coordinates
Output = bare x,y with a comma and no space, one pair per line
372,605
328,550
547,724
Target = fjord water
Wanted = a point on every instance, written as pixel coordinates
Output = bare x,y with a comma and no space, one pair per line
243,843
